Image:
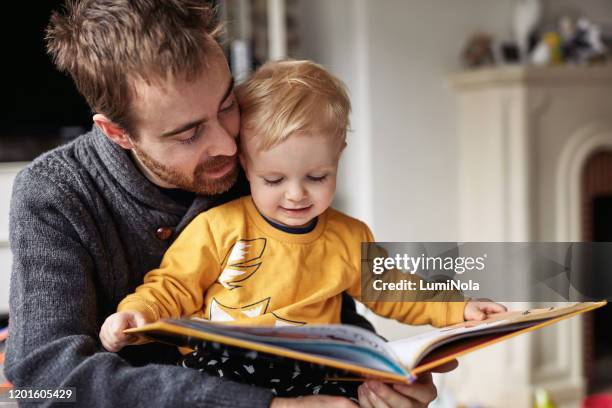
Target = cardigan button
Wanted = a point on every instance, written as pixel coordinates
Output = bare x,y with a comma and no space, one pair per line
163,233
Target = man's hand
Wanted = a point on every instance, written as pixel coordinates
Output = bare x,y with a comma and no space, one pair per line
374,394
111,334
479,309
313,401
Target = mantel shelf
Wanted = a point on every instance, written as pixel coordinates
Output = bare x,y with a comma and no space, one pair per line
515,75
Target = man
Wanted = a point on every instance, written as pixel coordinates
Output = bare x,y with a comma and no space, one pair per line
89,219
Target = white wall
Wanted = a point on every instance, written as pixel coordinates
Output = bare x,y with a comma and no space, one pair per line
414,46
334,33
395,56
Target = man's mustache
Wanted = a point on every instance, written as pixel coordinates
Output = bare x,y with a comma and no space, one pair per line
216,162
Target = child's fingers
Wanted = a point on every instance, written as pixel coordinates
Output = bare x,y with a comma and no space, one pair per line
137,320
105,336
472,312
491,307
477,314
115,343
108,343
123,338
119,323
112,336
478,310
123,322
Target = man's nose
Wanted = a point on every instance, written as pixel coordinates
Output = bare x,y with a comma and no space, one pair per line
220,141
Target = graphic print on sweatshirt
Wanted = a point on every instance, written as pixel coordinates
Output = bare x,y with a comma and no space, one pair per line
242,262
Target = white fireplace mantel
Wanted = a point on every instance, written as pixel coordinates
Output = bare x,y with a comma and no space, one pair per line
524,136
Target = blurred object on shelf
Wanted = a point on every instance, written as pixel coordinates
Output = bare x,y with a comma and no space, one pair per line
478,51
575,41
543,399
582,41
509,53
548,51
570,39
527,15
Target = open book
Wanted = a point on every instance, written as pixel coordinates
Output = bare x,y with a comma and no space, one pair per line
358,351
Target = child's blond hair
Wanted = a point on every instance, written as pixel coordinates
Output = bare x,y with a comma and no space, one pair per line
290,97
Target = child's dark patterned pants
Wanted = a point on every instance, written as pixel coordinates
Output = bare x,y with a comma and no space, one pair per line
284,377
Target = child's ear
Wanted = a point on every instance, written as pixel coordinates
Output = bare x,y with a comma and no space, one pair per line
115,133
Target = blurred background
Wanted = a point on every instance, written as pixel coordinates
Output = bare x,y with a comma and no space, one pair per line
473,120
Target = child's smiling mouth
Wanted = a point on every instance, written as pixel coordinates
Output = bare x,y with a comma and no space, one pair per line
296,211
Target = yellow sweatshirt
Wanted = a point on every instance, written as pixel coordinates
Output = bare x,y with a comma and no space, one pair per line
230,264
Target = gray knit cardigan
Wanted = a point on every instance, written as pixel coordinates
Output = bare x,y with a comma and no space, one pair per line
83,228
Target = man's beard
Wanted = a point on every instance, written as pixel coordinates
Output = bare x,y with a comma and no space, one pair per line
197,183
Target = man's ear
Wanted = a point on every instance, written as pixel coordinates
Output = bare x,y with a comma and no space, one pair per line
115,133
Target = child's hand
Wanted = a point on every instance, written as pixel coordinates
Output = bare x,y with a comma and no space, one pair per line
478,309
111,334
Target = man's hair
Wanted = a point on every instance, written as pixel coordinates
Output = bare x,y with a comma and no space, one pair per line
286,98
107,45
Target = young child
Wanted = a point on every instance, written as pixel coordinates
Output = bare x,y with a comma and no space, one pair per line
281,256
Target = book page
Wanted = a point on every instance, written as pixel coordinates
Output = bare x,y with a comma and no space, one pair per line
408,351
322,334
411,350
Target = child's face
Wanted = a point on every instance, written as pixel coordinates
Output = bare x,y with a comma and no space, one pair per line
295,181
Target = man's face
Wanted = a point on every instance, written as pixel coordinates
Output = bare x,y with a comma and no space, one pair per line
186,131
293,182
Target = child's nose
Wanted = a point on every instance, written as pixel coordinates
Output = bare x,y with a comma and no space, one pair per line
295,192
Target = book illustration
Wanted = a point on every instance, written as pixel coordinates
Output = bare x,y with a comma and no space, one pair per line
358,351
